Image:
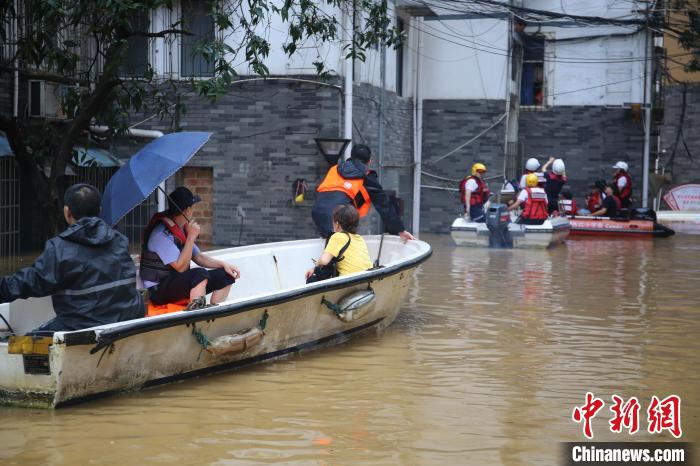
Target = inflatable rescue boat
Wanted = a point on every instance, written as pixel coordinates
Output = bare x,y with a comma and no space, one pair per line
640,224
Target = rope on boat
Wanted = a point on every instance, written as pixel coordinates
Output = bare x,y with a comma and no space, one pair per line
332,306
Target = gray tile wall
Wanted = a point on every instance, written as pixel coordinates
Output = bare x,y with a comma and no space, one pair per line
589,139
263,140
685,168
446,125
396,169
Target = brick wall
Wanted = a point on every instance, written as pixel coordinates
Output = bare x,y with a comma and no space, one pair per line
685,168
200,181
589,139
263,140
446,125
396,169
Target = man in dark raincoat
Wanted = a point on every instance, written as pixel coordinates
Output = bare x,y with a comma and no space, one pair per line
86,269
353,182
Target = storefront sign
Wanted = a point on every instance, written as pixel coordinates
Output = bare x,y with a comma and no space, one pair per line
684,197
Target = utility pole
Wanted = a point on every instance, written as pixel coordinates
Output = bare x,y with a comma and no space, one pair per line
348,33
380,116
418,126
648,83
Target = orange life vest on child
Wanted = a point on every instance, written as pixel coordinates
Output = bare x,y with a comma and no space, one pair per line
536,204
354,188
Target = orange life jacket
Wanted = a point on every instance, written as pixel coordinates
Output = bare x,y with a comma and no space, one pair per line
536,204
354,188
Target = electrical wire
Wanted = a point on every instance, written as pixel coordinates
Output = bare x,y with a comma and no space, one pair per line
444,156
504,52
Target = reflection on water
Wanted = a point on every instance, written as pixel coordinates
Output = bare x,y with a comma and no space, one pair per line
488,357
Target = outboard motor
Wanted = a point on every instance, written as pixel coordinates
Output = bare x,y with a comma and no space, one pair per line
497,221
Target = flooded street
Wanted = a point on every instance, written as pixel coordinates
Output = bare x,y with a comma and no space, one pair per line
484,364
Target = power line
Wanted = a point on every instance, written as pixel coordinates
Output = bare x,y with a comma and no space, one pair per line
503,52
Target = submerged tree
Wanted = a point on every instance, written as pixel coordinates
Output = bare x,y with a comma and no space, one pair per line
85,46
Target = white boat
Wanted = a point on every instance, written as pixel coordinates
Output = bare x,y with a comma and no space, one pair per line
681,221
270,313
553,231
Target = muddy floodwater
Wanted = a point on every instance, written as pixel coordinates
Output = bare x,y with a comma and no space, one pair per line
489,355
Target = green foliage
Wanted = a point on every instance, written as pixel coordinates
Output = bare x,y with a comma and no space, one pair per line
84,44
686,23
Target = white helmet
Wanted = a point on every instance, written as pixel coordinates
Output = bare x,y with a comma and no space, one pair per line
621,165
558,166
532,164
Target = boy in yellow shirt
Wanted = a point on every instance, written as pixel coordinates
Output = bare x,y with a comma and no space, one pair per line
355,257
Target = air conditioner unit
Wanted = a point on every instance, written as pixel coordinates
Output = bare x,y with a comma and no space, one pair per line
45,99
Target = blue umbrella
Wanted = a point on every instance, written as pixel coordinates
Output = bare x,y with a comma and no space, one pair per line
146,169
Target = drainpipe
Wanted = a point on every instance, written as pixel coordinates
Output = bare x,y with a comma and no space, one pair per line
347,117
138,133
141,133
418,127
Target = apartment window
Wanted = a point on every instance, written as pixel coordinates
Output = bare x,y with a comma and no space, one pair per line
135,60
532,87
196,20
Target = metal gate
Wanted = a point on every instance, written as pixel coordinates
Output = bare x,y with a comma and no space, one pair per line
9,215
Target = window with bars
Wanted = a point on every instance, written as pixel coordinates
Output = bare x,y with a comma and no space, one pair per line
196,20
135,60
9,215
532,81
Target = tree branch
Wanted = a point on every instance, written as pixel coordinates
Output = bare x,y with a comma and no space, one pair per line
163,33
45,75
88,109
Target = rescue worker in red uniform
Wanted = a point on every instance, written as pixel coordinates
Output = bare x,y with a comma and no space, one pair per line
622,184
353,182
534,201
474,193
